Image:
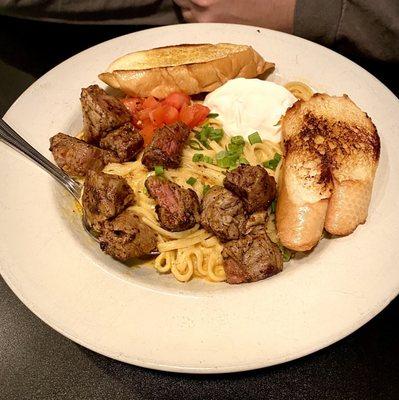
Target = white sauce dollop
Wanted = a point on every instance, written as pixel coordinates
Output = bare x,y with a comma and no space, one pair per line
246,106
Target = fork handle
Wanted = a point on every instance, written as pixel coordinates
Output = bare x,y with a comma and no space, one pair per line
10,137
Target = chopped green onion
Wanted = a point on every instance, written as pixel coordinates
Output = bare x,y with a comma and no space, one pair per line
202,138
198,157
213,115
205,189
195,145
235,148
243,160
273,163
191,181
225,159
237,140
215,134
208,132
159,170
273,206
254,138
208,160
287,254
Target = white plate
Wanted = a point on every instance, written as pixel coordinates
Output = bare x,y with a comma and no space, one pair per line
140,317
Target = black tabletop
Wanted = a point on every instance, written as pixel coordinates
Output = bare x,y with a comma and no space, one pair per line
38,363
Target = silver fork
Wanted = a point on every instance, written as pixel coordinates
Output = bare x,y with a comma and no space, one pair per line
10,137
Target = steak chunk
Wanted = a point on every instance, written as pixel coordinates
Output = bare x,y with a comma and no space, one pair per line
177,208
126,236
251,258
125,141
223,213
167,146
104,197
253,185
101,113
77,157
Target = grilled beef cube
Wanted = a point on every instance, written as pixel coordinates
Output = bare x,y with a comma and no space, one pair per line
126,236
125,141
77,157
253,185
104,197
167,146
177,208
251,258
223,214
102,113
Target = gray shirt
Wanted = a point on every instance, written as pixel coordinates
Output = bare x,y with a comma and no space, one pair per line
366,28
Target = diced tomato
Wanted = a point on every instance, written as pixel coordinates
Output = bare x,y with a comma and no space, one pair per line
150,102
133,104
157,116
193,115
200,114
171,114
178,100
147,132
144,114
187,115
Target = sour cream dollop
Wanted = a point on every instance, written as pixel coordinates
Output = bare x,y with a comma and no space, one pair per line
246,106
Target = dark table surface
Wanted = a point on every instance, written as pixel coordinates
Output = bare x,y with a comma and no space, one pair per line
38,363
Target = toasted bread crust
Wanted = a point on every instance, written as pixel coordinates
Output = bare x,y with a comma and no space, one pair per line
331,152
199,68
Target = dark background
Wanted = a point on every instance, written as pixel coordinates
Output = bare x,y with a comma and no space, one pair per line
38,363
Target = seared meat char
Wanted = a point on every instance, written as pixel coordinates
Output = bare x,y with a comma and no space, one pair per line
76,157
251,258
253,185
126,236
102,113
177,208
104,197
167,146
125,141
223,213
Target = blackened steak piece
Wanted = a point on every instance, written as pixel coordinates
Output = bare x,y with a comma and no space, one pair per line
102,113
104,197
124,141
223,213
177,208
253,185
76,157
251,258
167,146
126,237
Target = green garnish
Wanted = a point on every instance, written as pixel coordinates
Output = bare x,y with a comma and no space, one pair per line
195,145
205,189
208,133
287,254
198,157
213,115
215,134
191,181
273,206
273,163
254,138
232,156
159,170
237,140
243,160
208,160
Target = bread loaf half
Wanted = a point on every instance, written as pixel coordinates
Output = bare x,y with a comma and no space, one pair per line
188,68
331,154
